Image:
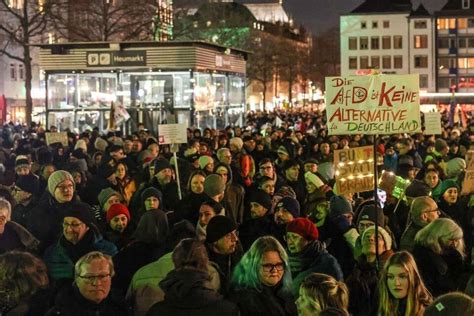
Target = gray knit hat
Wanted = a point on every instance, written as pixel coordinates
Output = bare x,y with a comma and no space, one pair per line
56,178
214,185
105,194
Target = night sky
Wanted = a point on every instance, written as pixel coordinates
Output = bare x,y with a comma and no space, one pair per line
319,15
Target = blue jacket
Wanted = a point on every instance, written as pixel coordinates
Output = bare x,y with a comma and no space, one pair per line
59,261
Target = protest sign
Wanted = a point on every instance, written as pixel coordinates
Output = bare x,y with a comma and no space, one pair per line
172,134
468,183
470,160
377,104
354,169
60,137
432,123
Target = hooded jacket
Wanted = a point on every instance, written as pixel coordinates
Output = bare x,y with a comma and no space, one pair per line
189,292
233,197
314,258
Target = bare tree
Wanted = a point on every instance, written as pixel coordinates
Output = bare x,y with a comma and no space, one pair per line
325,56
21,27
105,20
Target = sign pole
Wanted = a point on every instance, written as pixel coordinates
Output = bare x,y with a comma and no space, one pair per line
376,200
177,173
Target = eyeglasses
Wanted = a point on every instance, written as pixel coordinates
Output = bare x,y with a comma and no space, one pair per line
72,225
437,210
95,278
65,187
268,267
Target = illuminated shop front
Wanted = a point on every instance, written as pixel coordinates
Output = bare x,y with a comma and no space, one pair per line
197,83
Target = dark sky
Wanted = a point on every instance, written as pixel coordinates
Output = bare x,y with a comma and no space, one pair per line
319,15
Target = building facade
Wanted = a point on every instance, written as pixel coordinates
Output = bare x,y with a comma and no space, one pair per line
455,46
388,36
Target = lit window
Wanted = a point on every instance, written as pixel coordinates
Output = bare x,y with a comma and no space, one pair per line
421,41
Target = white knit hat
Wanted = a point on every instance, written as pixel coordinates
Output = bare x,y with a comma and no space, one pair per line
385,235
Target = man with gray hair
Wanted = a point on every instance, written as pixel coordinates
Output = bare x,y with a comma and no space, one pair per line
224,156
91,290
423,211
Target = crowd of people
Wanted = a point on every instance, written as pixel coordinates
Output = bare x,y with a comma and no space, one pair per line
252,225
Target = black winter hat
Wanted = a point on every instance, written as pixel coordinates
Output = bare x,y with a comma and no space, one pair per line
290,163
79,210
372,213
161,164
289,204
28,183
151,191
218,227
261,197
417,188
106,170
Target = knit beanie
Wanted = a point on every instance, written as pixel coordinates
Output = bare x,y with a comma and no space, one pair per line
81,144
22,161
417,188
440,144
218,227
117,209
261,197
303,227
56,178
372,213
79,210
314,179
105,169
100,144
289,163
151,191
237,142
106,194
214,185
446,184
289,204
454,167
282,150
161,164
28,183
338,205
204,161
385,235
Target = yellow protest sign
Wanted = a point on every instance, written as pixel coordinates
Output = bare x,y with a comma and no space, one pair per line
354,169
377,104
60,137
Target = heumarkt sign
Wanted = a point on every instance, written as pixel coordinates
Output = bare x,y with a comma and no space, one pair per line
116,58
375,104
354,169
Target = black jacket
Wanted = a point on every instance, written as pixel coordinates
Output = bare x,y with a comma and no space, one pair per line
270,301
188,292
441,273
70,302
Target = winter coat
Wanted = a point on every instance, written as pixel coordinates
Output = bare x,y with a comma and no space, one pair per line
441,273
35,305
20,212
233,201
189,206
188,292
407,242
45,220
362,285
269,301
16,237
314,258
254,228
61,257
70,302
225,264
144,290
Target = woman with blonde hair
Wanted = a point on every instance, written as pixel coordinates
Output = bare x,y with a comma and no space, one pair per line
401,289
439,253
319,292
